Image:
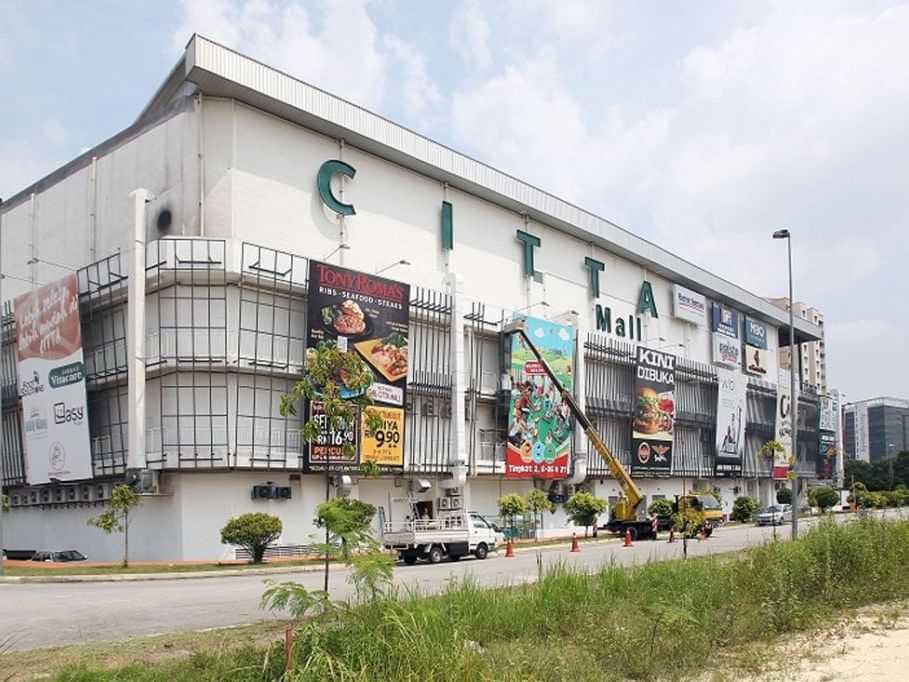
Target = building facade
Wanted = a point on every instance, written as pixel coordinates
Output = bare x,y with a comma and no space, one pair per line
875,428
813,354
192,236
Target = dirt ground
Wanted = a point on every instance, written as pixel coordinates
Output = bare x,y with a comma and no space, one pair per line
872,646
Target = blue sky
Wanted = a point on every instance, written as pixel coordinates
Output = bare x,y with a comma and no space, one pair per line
700,126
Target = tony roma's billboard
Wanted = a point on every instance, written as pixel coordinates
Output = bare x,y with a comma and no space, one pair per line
367,315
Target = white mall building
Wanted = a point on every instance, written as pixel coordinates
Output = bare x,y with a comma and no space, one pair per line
190,233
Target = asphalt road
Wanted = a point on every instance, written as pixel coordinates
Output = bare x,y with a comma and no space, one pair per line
46,614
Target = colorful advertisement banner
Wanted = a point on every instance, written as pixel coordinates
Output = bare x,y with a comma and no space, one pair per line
826,457
49,353
688,306
726,350
370,316
730,422
784,434
386,446
654,413
724,321
539,422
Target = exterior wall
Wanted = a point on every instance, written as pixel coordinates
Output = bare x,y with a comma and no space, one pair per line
212,385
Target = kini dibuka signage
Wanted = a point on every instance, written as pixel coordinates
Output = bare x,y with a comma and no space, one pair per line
49,353
755,347
367,315
539,422
730,422
688,306
654,413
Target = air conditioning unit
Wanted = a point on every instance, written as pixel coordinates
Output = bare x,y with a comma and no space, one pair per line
14,500
455,502
453,492
100,492
85,493
444,503
142,480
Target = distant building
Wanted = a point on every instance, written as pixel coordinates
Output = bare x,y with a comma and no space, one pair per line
876,428
814,355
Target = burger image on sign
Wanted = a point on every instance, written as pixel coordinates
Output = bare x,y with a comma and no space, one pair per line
647,411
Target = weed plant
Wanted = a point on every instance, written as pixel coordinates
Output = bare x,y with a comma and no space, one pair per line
661,620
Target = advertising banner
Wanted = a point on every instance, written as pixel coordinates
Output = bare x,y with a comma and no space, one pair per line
726,350
830,414
826,458
784,434
49,354
370,316
688,306
755,347
329,448
724,321
539,422
862,441
654,413
730,422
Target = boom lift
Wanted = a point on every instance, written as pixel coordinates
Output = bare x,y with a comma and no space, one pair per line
624,515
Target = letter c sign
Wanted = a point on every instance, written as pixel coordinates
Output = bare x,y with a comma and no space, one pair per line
323,181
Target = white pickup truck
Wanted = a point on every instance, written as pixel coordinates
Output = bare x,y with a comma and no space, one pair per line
453,535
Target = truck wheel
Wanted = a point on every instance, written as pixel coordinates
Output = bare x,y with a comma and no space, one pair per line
481,552
435,554
410,559
633,532
708,532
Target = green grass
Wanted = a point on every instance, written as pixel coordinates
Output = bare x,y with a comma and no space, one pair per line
664,620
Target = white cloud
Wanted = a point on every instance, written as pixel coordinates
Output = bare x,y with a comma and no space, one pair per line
417,90
468,33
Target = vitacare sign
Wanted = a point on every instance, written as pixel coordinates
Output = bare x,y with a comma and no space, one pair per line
726,351
688,306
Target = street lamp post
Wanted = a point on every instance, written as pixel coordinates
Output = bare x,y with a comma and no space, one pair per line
793,407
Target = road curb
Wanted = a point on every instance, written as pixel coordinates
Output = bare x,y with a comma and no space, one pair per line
135,577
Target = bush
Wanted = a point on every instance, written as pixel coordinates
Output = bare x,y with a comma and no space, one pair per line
784,496
825,498
513,505
253,532
660,507
744,508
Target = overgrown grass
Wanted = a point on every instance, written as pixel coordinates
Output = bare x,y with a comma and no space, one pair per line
662,620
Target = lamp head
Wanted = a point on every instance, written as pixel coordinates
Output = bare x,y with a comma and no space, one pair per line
781,234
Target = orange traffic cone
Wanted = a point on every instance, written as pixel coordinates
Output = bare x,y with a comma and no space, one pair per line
509,550
575,547
628,538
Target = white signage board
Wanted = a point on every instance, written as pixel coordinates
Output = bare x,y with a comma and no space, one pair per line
52,383
688,305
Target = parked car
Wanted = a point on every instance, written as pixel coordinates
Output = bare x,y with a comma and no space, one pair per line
61,556
775,515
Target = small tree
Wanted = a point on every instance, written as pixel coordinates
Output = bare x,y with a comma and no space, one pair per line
116,518
744,507
327,370
537,503
511,506
347,522
661,507
583,508
253,532
688,521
